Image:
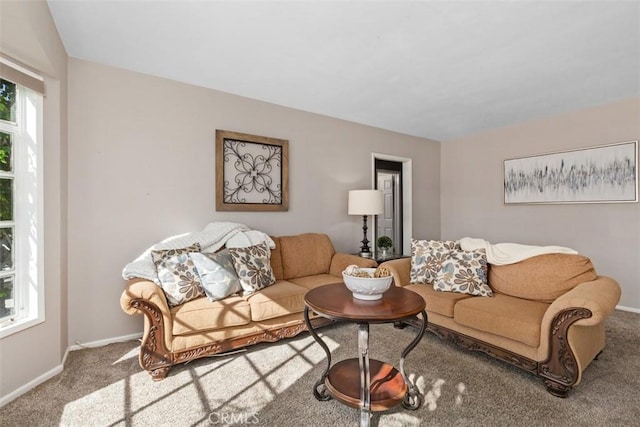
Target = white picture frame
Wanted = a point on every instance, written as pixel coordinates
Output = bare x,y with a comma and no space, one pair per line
599,174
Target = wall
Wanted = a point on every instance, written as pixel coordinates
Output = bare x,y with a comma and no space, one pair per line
141,168
472,196
28,35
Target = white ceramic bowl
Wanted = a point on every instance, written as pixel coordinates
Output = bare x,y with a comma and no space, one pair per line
367,288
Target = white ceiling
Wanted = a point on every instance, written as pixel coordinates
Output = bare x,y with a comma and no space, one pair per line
433,69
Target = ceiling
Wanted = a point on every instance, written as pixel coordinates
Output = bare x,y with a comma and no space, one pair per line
434,69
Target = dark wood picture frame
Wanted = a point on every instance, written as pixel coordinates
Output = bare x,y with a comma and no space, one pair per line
252,172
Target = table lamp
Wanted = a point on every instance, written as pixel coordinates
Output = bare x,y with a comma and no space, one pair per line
365,203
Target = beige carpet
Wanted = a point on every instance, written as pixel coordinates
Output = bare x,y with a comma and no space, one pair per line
271,385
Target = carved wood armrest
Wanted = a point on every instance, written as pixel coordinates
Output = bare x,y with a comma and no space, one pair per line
145,297
561,370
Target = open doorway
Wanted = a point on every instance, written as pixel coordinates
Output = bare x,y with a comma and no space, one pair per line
388,179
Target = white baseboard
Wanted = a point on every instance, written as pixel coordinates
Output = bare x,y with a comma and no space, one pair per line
623,308
58,369
92,344
31,384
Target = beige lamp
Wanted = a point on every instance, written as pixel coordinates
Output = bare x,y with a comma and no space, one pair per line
365,203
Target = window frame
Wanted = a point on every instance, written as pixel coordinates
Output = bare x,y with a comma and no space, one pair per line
28,212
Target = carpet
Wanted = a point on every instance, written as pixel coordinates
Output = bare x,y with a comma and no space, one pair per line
271,385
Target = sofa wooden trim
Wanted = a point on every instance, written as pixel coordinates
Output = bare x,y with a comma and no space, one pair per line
559,372
156,359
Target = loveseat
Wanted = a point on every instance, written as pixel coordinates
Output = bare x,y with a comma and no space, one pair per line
200,327
545,314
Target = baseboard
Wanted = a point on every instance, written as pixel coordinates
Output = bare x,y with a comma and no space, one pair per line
92,344
64,357
58,369
623,308
30,385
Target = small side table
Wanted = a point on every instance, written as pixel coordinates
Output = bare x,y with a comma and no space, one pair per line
367,384
379,257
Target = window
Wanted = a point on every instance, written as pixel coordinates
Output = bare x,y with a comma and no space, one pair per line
21,278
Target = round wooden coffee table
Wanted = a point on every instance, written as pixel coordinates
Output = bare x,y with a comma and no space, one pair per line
367,384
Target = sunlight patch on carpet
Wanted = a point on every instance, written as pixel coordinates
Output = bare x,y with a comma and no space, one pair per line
103,410
432,396
133,353
192,393
255,379
462,389
400,419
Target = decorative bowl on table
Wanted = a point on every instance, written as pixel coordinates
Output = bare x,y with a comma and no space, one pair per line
363,283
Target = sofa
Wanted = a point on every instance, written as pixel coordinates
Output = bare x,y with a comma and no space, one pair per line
545,314
200,327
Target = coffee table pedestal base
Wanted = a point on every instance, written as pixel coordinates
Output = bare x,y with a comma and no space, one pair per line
387,385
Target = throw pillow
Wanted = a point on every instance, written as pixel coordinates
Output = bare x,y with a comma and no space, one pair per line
178,274
427,257
464,272
219,279
253,267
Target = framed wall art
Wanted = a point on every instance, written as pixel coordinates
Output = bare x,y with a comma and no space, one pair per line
252,172
601,174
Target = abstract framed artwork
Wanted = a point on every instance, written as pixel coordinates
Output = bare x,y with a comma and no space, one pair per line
601,174
252,172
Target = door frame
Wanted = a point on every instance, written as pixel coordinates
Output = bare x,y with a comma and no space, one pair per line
407,200
395,172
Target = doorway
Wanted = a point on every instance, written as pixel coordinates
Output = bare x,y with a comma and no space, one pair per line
388,179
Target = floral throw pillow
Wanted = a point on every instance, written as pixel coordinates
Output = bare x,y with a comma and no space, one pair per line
219,278
427,257
253,267
464,272
178,274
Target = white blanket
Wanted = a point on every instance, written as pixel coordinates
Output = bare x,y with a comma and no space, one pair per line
510,253
214,236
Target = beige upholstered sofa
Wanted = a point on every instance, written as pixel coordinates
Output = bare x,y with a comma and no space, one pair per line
547,315
199,327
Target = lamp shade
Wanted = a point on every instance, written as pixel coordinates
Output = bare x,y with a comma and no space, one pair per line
366,202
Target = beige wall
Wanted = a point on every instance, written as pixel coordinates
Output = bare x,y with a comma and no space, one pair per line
471,192
140,163
141,168
27,34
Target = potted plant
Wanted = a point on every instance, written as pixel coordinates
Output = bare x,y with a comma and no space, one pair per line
384,244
